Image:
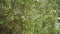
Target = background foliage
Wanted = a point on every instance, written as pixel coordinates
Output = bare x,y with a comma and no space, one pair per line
28,17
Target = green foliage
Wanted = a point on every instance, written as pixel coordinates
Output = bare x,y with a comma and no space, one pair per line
28,16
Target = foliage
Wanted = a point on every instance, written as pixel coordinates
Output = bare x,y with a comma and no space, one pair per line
28,16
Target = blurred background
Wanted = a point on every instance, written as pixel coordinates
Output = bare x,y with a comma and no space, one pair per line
29,16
